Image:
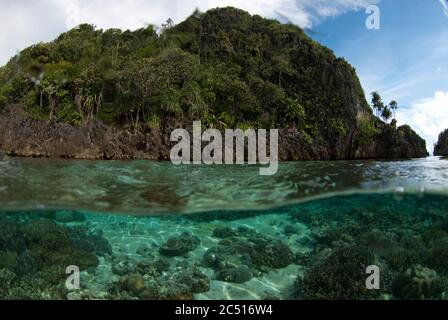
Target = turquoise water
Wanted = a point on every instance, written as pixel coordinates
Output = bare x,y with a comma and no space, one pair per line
148,230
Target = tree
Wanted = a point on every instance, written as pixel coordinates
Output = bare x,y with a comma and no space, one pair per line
49,90
89,89
386,114
282,67
168,24
393,105
295,112
377,103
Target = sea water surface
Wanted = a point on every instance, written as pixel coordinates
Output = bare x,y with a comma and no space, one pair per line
152,230
157,188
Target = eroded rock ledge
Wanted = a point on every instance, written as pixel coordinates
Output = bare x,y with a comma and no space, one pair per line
23,136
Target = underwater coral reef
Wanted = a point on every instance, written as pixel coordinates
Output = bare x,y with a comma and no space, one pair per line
35,252
317,250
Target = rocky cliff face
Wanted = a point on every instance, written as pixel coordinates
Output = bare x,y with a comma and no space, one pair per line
441,147
23,136
393,143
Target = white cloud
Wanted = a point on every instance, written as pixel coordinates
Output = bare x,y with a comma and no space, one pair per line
445,6
31,21
23,24
429,117
321,9
133,13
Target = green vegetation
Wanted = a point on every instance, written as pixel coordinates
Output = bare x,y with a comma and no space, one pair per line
224,67
386,112
367,131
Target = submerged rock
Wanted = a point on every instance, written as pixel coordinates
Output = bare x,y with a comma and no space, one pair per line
437,256
168,290
134,284
417,283
164,196
225,259
340,275
173,284
272,255
179,246
243,253
37,252
238,274
69,216
7,279
26,264
144,250
123,268
90,240
195,279
224,232
152,268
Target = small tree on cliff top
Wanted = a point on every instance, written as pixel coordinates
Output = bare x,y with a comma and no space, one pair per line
385,112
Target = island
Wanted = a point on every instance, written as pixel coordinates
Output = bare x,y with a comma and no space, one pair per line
113,94
441,147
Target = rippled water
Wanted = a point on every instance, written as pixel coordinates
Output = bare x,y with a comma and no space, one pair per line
148,188
150,230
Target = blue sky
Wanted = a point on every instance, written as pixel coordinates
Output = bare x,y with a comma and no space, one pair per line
411,47
406,59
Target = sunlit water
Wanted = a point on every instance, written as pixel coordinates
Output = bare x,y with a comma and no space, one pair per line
154,188
150,230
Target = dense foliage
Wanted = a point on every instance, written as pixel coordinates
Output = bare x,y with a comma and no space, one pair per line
224,67
386,112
